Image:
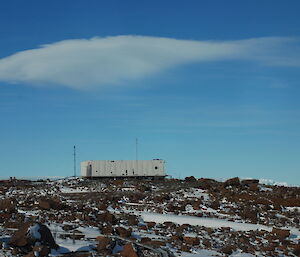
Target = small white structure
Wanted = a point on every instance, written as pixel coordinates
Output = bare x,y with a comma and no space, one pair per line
123,168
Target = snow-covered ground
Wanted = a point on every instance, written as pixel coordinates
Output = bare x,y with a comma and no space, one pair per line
164,214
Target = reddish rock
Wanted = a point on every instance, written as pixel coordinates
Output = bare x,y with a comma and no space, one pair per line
103,207
44,204
19,238
151,224
232,182
145,240
205,183
185,248
215,205
227,249
123,232
128,251
118,182
169,224
47,204
248,182
281,233
104,243
191,240
249,214
132,220
156,243
206,243
296,249
107,229
253,187
107,217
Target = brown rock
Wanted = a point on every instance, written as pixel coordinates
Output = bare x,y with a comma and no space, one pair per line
7,205
44,204
191,240
15,251
215,205
185,248
104,243
206,243
118,182
47,204
253,187
296,250
190,179
151,224
248,182
132,220
145,240
227,249
281,233
107,230
206,183
169,224
128,251
19,238
249,214
156,243
123,232
107,217
232,182
103,207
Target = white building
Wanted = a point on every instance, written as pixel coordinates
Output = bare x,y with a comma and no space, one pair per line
123,168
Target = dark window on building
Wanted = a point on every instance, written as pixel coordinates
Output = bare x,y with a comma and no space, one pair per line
156,167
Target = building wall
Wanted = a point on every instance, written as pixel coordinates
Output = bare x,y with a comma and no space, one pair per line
122,168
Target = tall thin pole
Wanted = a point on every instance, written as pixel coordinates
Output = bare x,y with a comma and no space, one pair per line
136,155
136,149
74,161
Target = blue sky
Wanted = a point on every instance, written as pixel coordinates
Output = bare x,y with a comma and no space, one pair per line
211,87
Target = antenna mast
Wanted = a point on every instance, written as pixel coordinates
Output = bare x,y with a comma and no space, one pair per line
136,149
136,155
74,161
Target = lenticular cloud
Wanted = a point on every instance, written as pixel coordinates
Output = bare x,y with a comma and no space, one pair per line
99,62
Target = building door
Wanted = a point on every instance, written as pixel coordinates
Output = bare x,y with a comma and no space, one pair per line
89,170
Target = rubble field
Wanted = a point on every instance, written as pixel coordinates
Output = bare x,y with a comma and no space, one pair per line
131,218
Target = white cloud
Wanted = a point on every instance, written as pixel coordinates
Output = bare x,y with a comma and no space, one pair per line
98,62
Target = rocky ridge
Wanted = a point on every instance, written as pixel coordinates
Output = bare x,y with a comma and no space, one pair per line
171,217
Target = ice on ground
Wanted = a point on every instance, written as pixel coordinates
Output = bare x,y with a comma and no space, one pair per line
34,231
199,221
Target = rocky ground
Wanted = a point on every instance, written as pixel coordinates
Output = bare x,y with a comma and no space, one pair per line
190,217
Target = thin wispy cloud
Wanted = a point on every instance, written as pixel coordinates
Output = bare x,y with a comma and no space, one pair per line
101,62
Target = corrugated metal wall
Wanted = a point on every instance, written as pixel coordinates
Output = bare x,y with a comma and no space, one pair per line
122,168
